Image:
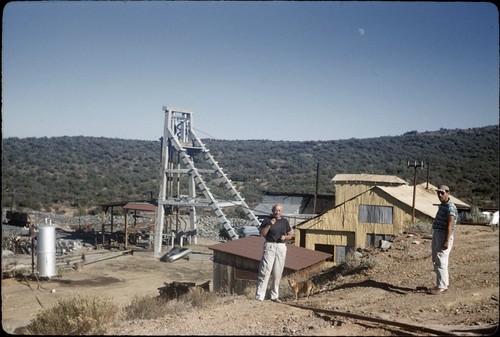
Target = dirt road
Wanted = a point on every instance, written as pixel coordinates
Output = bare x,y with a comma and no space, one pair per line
121,277
392,290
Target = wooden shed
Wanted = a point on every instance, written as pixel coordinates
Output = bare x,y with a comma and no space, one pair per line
378,213
236,263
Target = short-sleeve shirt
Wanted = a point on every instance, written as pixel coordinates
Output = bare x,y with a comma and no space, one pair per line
445,209
281,227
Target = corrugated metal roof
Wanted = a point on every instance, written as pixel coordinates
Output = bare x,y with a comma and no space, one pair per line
264,209
294,204
140,206
122,203
291,204
432,189
373,178
297,258
426,200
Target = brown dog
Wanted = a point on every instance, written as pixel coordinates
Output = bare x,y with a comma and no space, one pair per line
301,287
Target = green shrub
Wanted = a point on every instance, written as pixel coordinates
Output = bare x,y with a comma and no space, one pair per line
76,316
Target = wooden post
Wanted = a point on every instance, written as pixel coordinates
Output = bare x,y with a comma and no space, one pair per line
112,220
415,165
414,195
103,220
316,190
126,232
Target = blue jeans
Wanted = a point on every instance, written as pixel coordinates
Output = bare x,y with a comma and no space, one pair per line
440,258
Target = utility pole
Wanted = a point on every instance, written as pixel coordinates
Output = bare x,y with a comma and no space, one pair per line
415,165
428,169
317,185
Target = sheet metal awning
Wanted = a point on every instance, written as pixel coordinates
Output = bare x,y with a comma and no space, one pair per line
140,206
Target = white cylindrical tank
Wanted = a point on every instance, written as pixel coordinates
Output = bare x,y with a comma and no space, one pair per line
46,251
494,219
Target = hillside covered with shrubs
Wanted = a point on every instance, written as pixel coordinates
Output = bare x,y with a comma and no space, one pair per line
46,173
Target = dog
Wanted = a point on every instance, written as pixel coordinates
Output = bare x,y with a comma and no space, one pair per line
301,287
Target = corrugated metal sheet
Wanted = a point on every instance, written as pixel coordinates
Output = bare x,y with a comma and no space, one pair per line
291,205
294,204
373,178
426,200
140,206
433,190
423,201
297,258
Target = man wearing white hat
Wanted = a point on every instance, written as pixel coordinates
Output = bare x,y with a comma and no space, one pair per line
443,227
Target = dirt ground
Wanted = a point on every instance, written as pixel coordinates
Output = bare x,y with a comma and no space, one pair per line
394,290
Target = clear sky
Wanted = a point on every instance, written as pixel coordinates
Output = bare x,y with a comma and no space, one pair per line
273,70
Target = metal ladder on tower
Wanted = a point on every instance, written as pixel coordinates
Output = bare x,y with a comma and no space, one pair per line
226,181
179,133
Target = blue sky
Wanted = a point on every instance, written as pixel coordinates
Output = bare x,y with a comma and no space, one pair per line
273,70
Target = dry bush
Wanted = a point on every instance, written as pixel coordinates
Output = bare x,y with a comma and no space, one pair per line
422,227
76,315
146,308
156,307
354,264
249,291
199,298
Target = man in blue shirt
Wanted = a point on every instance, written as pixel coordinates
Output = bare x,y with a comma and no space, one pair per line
443,227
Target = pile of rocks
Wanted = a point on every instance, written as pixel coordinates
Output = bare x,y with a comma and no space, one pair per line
18,240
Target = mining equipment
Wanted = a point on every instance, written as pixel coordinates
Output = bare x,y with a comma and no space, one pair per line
180,152
19,219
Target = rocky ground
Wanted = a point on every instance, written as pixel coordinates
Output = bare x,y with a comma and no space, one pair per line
392,291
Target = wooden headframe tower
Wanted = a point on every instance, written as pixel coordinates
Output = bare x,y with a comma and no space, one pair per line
179,147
